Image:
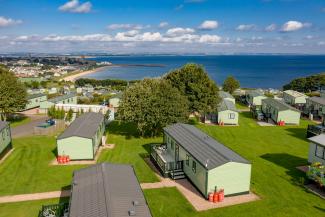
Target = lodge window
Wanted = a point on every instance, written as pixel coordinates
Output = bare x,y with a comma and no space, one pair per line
172,145
187,160
194,166
320,152
232,116
3,135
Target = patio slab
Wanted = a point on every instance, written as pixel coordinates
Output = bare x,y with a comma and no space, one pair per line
265,124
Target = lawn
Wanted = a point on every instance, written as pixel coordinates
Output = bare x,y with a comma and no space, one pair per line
129,149
26,209
274,153
27,169
241,106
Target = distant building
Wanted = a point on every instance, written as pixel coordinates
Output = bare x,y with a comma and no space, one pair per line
53,90
107,190
114,101
254,98
5,138
64,99
317,149
81,140
295,99
280,111
35,100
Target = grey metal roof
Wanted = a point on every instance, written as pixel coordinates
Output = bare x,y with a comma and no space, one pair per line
3,124
107,190
36,95
84,126
224,95
225,105
61,98
255,93
280,105
320,139
319,100
209,152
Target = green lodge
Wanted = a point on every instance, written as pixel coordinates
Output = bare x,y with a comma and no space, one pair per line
35,100
208,164
81,140
277,111
64,99
5,140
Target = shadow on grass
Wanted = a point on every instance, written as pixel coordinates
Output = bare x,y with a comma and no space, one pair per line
299,133
129,130
289,162
246,114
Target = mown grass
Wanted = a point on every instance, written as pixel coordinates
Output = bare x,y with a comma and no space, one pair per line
129,149
274,152
26,209
27,169
21,121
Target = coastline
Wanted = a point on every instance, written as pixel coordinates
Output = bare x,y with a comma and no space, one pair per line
77,75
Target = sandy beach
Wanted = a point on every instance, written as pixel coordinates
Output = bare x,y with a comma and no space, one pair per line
76,75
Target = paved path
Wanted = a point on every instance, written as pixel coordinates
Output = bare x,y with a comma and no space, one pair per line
28,128
36,196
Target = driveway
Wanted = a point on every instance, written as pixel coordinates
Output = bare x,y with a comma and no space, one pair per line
28,128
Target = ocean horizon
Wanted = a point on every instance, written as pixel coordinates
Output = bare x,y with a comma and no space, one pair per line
253,71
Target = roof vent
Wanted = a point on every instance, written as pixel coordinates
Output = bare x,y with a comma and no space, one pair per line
132,213
135,203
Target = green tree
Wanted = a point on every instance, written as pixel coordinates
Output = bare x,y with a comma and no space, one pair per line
306,84
194,83
153,104
69,115
13,95
230,84
51,112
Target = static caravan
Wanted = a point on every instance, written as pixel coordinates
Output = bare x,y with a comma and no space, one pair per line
317,149
295,99
35,100
226,96
81,140
188,152
254,98
5,140
64,99
315,107
227,113
114,101
277,111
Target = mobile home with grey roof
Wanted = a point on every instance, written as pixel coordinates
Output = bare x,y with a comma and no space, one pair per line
64,99
107,190
278,110
35,100
188,152
81,140
5,138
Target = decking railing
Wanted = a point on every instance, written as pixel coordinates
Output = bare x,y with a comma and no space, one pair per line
164,167
55,210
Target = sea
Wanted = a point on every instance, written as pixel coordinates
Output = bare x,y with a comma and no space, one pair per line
253,71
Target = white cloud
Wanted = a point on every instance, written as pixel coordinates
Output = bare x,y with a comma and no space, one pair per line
194,1
3,37
210,39
74,6
116,26
270,28
321,43
292,26
179,7
78,38
163,24
246,27
173,32
309,37
4,22
209,25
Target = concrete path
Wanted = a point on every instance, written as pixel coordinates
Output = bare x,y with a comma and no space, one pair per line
36,196
28,128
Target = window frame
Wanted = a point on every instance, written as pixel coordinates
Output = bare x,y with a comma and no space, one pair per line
194,166
187,160
323,153
232,116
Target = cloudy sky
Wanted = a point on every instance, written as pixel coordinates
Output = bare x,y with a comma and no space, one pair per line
163,26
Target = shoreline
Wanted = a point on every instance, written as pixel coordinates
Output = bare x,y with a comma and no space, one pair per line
76,75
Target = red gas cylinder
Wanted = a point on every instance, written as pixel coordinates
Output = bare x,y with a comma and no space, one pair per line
68,159
221,195
215,197
59,159
211,197
64,159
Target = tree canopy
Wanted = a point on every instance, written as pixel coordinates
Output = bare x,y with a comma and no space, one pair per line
306,84
153,104
194,83
13,95
230,84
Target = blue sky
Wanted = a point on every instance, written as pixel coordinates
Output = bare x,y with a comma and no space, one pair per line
166,26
